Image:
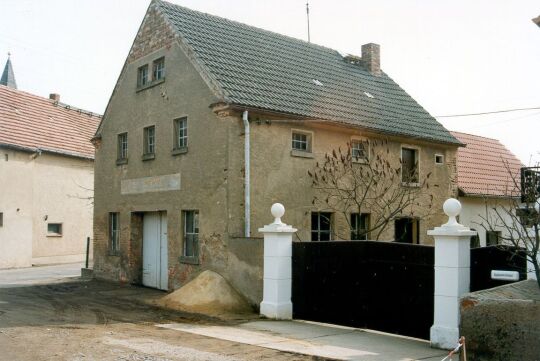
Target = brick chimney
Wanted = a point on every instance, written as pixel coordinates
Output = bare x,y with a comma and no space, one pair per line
371,58
55,97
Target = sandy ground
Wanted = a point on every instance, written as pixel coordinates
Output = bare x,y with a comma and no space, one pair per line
91,320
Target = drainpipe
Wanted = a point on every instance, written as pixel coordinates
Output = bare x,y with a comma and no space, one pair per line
247,203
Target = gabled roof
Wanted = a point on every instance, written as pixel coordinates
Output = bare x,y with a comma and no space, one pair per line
8,76
259,69
482,167
33,123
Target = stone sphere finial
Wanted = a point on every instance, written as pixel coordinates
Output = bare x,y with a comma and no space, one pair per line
452,208
277,210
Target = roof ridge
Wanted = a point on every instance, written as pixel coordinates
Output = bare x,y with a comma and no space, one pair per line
63,105
304,42
475,135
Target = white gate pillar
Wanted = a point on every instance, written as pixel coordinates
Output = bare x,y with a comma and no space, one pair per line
452,275
277,267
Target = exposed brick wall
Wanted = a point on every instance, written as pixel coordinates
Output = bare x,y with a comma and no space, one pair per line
154,34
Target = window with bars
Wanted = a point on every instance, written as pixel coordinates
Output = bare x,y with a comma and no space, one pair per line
191,233
149,140
122,147
114,232
142,76
158,68
181,133
359,226
321,226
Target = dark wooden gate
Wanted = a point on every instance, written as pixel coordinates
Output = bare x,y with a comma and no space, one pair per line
379,285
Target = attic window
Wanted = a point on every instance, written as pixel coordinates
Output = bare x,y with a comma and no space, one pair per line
369,95
317,82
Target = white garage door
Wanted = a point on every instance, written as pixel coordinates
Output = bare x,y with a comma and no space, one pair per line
155,269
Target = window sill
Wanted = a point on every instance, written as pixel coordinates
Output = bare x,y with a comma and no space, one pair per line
54,235
301,153
360,161
114,253
411,185
189,260
150,156
121,161
177,151
149,85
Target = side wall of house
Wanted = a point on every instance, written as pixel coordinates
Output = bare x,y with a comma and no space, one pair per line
16,200
474,210
63,194
209,171
278,176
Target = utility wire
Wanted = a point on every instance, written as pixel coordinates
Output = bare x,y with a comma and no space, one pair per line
485,113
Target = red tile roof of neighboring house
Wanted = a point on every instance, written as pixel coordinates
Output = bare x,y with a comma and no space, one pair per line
485,166
31,122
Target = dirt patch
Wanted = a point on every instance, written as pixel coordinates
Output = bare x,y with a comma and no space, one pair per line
210,294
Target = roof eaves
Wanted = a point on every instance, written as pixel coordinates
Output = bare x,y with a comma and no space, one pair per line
45,150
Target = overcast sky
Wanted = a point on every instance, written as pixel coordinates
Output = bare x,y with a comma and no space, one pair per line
453,57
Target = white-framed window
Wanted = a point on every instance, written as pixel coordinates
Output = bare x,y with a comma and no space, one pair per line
114,232
149,140
359,150
158,69
321,226
142,76
359,226
181,133
301,141
122,146
54,229
439,159
191,233
409,165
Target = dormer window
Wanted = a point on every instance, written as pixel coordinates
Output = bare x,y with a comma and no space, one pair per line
142,76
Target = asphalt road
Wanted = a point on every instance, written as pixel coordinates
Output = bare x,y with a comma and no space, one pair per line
45,316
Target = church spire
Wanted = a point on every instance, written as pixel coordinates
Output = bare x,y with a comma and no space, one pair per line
8,77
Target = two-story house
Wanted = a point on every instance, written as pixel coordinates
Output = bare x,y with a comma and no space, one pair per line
47,176
212,121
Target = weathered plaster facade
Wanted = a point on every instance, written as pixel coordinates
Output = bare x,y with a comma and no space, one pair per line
212,170
39,189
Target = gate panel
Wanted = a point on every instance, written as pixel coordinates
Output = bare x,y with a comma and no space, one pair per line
486,259
383,286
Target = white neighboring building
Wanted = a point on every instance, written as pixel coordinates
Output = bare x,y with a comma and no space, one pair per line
46,173
485,183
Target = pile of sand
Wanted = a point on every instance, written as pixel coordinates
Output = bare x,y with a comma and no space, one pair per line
209,293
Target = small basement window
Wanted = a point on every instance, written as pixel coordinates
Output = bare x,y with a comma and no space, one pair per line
54,229
439,159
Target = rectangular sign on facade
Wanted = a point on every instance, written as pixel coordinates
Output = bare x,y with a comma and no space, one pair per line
161,183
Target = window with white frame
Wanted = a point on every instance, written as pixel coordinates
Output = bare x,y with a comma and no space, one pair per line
321,226
181,133
301,141
158,69
191,233
122,147
114,232
149,140
359,150
142,76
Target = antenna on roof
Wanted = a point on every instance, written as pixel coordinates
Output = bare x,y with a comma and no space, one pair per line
307,12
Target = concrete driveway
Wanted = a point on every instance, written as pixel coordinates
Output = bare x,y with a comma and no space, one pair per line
35,275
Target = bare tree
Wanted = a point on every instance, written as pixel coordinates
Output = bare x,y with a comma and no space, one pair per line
362,179
518,218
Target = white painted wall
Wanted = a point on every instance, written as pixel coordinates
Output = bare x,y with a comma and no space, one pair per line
475,207
47,188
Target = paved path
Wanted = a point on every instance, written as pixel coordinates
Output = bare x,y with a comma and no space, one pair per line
324,341
35,275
